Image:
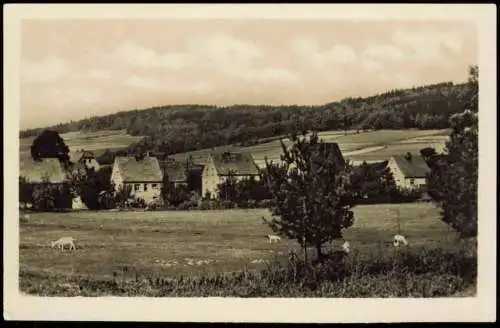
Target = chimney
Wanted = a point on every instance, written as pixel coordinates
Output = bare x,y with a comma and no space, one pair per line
408,156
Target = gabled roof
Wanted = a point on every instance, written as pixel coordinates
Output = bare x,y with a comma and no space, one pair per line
415,168
333,148
143,170
176,171
46,169
75,156
237,163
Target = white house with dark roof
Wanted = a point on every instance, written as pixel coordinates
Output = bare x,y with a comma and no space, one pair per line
409,171
143,175
220,166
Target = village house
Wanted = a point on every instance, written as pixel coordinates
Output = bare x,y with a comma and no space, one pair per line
409,170
143,175
332,148
220,166
82,158
174,171
43,171
326,148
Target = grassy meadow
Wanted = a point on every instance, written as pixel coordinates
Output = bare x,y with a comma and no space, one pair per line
195,244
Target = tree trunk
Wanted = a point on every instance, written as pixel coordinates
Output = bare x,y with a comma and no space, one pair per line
305,252
319,253
304,220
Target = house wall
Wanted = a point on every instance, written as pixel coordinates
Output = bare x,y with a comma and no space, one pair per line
401,180
116,177
209,179
148,191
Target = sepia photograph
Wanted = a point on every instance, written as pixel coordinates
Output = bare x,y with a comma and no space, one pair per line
249,155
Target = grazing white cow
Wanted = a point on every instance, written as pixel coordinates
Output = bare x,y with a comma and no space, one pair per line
400,240
273,239
63,241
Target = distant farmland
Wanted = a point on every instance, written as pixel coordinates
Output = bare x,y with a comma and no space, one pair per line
370,146
94,141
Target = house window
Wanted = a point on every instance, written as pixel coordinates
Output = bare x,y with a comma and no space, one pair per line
154,185
137,187
145,187
412,181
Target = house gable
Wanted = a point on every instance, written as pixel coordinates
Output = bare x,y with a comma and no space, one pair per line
238,164
116,176
142,170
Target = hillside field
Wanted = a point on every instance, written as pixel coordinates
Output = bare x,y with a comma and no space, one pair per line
173,243
369,146
93,141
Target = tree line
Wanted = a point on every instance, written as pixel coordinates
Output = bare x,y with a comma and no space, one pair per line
177,129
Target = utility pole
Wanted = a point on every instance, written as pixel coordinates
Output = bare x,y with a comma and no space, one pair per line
399,224
345,120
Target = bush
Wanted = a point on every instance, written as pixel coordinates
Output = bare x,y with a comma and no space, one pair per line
206,205
266,203
187,205
227,204
50,197
138,203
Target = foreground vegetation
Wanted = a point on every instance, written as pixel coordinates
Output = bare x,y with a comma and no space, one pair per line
157,254
403,273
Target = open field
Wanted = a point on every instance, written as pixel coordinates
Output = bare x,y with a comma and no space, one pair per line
371,146
93,141
173,243
367,146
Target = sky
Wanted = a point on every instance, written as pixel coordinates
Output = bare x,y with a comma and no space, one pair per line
72,69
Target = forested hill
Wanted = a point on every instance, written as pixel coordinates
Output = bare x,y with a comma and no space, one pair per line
183,128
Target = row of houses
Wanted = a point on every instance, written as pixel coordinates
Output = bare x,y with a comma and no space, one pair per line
145,175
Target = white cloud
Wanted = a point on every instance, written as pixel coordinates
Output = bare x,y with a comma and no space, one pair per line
100,74
383,51
304,46
339,53
51,68
199,87
137,55
427,44
371,65
270,75
220,53
62,98
140,82
222,49
308,49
